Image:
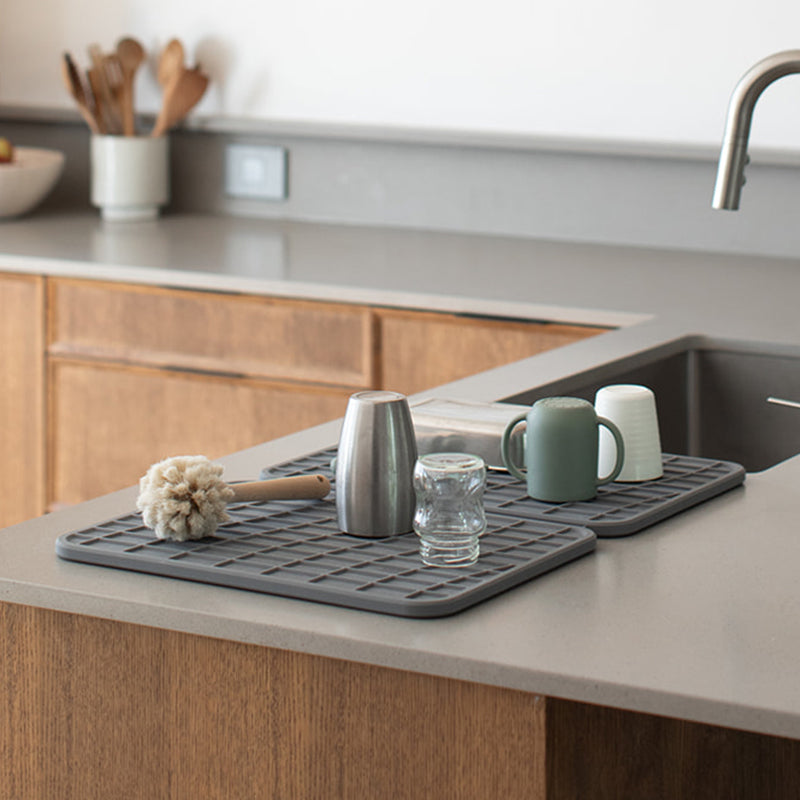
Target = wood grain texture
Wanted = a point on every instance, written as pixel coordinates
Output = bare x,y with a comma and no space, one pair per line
212,331
422,350
607,754
108,423
93,708
99,709
139,373
21,398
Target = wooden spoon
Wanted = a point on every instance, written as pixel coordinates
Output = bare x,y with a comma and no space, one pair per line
130,54
171,62
114,78
74,84
180,97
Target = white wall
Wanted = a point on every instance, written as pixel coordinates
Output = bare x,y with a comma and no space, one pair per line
657,71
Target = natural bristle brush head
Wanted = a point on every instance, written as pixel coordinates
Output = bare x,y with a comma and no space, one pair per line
184,498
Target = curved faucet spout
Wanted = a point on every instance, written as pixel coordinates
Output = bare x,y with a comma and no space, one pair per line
733,156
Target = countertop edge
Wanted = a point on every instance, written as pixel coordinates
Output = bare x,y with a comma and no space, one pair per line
226,283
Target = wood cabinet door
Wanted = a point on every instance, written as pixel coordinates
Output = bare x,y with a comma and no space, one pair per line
104,710
109,423
213,332
21,398
423,350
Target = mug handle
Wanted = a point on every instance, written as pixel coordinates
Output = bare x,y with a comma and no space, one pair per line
505,446
615,432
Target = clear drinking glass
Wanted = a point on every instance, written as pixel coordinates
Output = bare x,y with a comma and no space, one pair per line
449,517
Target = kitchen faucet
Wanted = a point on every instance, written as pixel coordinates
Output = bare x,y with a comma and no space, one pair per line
733,156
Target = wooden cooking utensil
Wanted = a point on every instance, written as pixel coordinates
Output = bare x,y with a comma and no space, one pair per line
112,71
81,95
130,54
180,97
91,101
171,62
105,97
100,112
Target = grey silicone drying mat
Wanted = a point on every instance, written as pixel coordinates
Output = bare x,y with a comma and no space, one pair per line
295,549
620,509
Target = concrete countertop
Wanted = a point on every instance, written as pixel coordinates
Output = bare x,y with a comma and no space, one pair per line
694,618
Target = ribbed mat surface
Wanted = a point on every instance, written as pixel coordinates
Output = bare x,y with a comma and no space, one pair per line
620,509
295,549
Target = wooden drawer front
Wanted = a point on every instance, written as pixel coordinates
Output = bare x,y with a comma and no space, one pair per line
423,350
108,424
227,334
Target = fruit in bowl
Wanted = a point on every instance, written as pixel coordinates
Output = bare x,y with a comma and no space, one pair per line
6,151
27,177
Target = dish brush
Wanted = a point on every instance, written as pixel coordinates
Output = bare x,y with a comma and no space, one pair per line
184,497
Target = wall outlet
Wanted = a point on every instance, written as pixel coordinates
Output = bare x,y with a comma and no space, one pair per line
255,172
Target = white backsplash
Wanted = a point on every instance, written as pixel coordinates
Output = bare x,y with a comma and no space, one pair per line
621,70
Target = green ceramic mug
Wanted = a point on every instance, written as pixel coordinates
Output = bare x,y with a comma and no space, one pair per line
561,450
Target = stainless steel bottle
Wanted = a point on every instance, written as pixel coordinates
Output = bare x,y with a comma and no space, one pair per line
375,466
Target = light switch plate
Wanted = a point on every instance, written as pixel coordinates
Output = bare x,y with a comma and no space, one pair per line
257,172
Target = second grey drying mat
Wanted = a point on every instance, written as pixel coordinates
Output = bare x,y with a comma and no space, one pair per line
620,509
295,549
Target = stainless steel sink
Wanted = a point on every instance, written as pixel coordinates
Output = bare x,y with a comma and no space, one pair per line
711,397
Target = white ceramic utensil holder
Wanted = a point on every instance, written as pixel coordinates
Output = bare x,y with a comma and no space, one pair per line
130,176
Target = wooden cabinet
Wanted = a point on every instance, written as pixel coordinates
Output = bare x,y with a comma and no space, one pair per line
21,397
102,379
420,350
99,709
140,373
109,422
96,708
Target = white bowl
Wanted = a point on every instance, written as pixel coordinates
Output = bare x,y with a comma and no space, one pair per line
28,179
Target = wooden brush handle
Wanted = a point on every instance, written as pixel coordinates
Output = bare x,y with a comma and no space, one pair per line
301,487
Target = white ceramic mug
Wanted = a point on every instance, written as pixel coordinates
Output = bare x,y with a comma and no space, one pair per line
130,176
632,408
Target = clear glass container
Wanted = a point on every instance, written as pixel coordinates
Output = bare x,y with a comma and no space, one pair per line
449,516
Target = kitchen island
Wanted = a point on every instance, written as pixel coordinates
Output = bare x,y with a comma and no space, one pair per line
662,665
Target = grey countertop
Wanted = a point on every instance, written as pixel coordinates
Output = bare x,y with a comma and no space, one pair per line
697,617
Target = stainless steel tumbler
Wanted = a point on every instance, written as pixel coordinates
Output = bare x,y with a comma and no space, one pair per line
375,466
